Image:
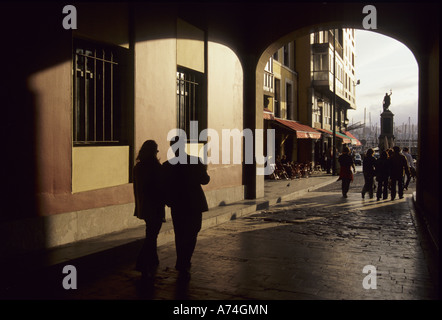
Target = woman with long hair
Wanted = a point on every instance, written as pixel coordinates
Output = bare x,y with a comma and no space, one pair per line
149,204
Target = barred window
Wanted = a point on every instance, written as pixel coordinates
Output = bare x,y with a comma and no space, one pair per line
190,90
96,100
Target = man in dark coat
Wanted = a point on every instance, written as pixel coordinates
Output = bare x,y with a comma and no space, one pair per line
368,168
382,166
398,167
187,201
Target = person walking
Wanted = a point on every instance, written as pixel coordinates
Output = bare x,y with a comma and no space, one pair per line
187,201
368,168
328,159
399,166
411,168
149,204
345,174
382,170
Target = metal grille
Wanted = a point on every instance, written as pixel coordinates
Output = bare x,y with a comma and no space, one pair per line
94,96
187,99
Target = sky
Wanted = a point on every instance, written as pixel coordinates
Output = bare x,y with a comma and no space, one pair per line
383,63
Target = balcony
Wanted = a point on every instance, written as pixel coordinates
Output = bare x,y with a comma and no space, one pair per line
322,47
323,82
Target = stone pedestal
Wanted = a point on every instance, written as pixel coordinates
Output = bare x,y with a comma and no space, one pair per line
386,138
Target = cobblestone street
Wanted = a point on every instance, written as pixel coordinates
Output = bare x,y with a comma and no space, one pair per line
311,247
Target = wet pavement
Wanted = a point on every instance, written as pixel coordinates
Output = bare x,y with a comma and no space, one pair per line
314,245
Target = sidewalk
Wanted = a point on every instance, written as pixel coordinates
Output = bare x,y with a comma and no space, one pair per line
315,246
96,251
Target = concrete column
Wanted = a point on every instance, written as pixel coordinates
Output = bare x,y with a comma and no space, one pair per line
253,119
427,185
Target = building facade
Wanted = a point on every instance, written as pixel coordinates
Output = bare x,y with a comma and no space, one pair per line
119,82
309,63
281,104
327,82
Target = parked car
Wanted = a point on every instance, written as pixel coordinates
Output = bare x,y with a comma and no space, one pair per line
358,160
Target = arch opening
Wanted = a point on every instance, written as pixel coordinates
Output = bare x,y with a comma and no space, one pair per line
314,96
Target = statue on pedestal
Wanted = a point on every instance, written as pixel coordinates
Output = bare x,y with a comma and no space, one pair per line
387,101
386,139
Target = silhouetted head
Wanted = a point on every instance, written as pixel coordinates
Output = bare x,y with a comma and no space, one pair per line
369,152
405,149
390,152
148,151
396,149
345,150
384,155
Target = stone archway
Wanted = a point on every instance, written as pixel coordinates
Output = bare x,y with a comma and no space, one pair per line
417,28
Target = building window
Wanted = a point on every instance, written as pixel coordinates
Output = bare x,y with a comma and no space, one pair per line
289,101
268,76
328,112
190,88
321,67
277,100
276,55
320,62
286,52
96,94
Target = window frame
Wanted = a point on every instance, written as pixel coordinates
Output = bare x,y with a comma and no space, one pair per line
190,104
88,107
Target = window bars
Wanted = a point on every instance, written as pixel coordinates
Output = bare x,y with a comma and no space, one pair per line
188,99
94,96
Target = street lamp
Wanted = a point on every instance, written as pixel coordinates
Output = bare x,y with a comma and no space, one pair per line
319,104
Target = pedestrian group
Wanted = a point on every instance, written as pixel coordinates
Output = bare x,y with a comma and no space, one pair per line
179,187
389,170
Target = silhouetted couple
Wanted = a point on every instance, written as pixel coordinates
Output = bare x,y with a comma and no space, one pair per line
177,184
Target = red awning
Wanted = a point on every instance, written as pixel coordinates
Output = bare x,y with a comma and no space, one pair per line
302,131
343,137
325,131
354,141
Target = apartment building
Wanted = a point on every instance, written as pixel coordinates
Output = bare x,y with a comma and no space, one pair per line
326,65
300,83
281,105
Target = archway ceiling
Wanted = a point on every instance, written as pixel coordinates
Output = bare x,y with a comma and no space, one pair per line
251,27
